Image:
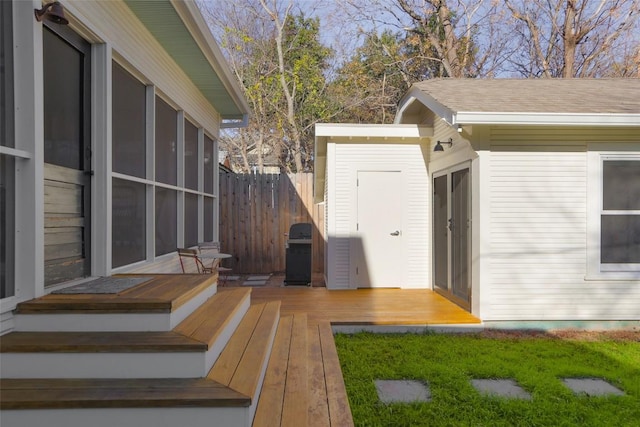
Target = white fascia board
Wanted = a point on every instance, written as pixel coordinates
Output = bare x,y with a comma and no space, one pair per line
195,23
559,119
372,131
425,99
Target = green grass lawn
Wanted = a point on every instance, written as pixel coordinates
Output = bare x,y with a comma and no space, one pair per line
448,363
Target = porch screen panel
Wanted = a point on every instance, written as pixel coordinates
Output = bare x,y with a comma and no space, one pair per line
129,222
166,143
166,220
129,124
190,220
208,163
62,102
208,219
190,156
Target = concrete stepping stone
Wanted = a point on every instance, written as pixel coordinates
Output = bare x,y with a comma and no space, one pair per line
592,387
257,278
402,391
501,388
254,283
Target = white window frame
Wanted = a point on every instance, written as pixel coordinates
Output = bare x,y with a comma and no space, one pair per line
596,270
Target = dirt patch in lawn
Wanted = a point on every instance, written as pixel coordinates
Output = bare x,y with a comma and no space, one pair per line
566,334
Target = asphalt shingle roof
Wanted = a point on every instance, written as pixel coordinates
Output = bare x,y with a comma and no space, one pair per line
589,96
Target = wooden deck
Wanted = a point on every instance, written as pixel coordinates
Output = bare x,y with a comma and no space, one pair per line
303,383
366,306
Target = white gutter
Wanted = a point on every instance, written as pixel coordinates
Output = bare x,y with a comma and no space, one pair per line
558,119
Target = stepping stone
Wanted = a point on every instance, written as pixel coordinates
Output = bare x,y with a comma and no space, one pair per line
254,283
402,391
501,388
592,387
231,278
252,278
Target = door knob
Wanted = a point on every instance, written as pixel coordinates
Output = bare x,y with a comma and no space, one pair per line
395,233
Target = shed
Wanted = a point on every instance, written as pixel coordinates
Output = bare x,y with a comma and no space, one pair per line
517,199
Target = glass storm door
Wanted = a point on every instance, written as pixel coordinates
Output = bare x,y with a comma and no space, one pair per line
452,235
67,155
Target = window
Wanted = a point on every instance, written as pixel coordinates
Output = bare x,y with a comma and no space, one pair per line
7,162
620,216
172,204
614,216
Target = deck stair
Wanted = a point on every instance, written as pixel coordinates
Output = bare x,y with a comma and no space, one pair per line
157,305
226,363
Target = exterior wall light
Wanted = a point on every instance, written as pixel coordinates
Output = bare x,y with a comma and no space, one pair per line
439,146
53,12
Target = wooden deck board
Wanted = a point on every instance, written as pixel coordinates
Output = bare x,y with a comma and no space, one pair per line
116,393
339,410
98,342
227,363
248,375
295,408
207,321
366,306
162,293
318,401
269,410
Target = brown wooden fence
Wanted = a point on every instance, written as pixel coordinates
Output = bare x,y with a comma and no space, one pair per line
256,211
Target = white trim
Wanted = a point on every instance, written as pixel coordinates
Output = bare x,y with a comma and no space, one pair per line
130,417
595,269
559,119
372,131
190,364
19,154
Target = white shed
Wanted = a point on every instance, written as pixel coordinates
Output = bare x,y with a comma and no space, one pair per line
517,199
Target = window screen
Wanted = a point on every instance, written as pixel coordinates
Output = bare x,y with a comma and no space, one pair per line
129,222
129,124
166,220
166,142
190,220
190,156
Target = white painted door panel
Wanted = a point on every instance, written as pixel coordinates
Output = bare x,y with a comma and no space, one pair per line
378,244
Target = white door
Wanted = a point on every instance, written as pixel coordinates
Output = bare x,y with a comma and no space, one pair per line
378,244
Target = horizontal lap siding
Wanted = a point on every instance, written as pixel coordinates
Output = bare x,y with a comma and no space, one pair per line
348,157
539,232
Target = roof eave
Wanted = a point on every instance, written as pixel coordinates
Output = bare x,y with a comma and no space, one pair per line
416,94
195,23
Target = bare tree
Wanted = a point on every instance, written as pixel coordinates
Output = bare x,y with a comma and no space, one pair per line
572,38
462,36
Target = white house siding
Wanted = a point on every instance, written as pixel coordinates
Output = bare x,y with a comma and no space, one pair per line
344,160
538,209
112,22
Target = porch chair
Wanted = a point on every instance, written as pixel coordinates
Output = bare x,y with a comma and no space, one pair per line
215,265
193,254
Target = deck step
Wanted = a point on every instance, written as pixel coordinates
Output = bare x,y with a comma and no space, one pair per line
121,402
188,351
284,399
243,363
157,305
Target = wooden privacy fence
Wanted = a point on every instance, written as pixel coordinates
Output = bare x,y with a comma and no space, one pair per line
256,211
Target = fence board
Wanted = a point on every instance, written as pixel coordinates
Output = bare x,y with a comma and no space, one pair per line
256,211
